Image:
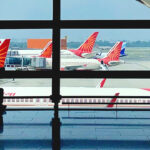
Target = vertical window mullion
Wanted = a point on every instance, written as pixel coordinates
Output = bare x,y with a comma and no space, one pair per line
56,52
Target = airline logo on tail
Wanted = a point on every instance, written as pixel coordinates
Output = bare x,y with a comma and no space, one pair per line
4,45
47,51
122,53
87,46
113,54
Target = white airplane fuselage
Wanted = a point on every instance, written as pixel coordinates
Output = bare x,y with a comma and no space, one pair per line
24,53
76,102
68,54
80,63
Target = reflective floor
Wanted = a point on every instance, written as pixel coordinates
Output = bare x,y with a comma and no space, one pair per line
80,130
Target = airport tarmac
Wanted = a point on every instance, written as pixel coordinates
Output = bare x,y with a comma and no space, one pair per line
110,83
136,59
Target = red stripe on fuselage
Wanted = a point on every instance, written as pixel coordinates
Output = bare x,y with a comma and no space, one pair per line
113,100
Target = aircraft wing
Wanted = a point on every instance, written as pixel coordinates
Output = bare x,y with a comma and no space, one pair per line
114,63
89,55
71,68
81,67
145,2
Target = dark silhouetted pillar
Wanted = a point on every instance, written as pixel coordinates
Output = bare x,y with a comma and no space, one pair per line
56,75
2,109
56,131
56,124
2,69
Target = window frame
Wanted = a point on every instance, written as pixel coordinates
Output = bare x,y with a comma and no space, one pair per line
56,24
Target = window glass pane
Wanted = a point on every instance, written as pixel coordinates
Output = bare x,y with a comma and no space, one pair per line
106,49
27,50
106,83
105,87
104,9
26,10
12,82
26,87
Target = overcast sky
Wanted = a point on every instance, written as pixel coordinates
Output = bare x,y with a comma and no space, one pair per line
75,9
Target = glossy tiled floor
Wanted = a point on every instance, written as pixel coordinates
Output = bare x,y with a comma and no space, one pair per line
80,130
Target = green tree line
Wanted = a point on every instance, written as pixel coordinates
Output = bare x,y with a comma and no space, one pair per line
23,45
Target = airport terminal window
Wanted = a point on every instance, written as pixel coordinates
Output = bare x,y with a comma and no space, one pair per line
26,10
26,48
56,25
104,10
134,53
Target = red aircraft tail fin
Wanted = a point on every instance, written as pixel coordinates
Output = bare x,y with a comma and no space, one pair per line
4,45
47,51
114,53
88,45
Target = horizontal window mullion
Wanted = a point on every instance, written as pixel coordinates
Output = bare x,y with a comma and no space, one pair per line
26,24
105,74
134,96
26,74
75,74
22,97
104,24
68,24
78,109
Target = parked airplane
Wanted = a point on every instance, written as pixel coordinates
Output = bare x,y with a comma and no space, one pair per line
112,58
18,62
122,52
4,45
145,2
77,103
85,50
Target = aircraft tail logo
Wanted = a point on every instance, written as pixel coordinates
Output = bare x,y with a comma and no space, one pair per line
114,53
88,45
47,51
122,53
4,45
